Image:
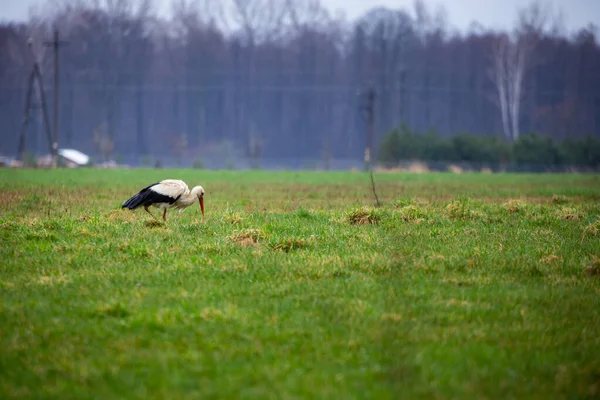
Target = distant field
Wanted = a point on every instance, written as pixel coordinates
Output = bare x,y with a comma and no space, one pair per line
295,286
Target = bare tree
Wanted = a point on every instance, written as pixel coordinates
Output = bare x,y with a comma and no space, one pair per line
513,56
256,23
388,37
427,23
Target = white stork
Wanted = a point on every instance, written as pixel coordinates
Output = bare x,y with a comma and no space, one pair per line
168,193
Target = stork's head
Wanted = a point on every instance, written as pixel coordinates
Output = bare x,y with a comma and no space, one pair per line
198,191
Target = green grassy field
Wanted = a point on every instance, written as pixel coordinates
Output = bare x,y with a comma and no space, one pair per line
295,286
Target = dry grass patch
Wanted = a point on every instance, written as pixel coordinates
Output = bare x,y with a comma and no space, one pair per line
121,215
569,213
7,198
455,209
31,222
247,237
290,244
412,213
84,218
461,210
363,216
83,232
52,280
550,259
594,268
592,229
153,224
229,312
233,218
559,199
514,206
401,202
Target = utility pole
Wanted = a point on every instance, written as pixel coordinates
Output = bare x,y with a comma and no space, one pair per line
370,110
55,43
369,116
34,75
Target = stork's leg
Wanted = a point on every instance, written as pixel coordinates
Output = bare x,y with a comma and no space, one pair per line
148,211
165,215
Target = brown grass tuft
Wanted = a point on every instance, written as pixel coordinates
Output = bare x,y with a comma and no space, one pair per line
594,269
293,243
592,229
559,199
460,210
411,213
233,218
363,216
550,259
455,209
247,237
569,213
84,218
290,244
32,221
7,198
514,206
153,224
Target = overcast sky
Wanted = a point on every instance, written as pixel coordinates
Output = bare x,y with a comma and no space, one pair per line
490,13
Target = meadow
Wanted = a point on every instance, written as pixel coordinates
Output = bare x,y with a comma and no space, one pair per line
294,285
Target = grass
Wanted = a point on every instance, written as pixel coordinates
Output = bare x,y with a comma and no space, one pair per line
295,286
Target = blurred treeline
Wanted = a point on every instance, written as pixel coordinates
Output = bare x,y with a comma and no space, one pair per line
284,78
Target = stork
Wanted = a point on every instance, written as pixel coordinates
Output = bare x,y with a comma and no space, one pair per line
168,193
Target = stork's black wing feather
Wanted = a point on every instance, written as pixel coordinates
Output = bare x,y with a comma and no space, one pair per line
146,196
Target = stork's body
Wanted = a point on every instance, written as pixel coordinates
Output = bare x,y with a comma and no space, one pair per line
168,193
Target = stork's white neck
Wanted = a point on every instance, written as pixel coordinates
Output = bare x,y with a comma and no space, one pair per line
192,196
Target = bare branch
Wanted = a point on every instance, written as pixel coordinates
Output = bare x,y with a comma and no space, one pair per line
533,19
302,13
259,20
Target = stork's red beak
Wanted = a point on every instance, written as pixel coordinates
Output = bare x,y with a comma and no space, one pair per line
201,199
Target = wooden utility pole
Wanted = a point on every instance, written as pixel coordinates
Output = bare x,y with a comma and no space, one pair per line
55,44
21,150
33,76
369,116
